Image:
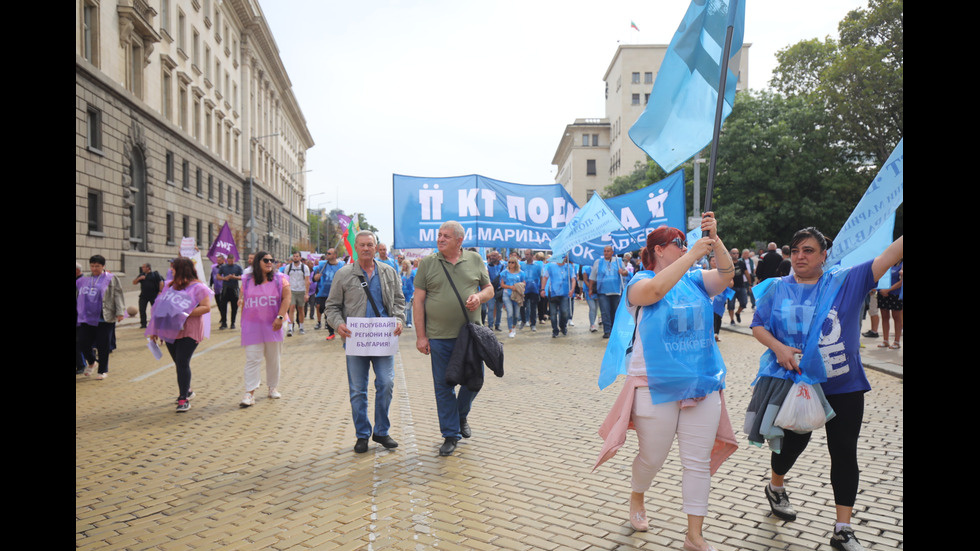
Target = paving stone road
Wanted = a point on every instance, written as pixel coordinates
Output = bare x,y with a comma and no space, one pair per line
282,474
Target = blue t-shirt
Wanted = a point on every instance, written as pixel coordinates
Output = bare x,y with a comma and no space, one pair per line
326,271
532,275
557,279
840,331
607,278
509,278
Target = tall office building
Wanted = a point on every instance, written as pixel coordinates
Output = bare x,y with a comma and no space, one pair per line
184,119
628,81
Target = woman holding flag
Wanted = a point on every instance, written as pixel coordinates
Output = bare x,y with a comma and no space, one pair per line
674,370
810,321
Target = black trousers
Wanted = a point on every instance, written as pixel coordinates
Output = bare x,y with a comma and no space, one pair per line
842,437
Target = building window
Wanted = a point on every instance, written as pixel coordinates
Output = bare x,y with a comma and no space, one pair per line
186,227
588,194
595,140
590,167
585,140
182,108
636,78
90,32
648,78
197,118
636,99
166,93
186,168
94,212
200,186
94,129
170,228
134,80
200,233
170,167
646,99
237,204
182,33
165,16
221,193
196,49
210,188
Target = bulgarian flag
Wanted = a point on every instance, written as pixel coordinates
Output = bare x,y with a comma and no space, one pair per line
344,222
349,235
633,26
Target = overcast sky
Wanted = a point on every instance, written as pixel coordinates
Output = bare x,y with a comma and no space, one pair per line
456,87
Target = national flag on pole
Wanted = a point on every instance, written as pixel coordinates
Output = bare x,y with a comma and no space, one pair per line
223,244
633,26
679,117
350,235
594,220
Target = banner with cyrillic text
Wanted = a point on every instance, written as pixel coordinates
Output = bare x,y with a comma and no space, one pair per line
372,337
493,213
640,212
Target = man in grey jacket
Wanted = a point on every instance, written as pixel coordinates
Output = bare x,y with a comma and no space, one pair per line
367,289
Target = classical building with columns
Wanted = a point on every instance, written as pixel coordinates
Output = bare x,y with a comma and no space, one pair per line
184,119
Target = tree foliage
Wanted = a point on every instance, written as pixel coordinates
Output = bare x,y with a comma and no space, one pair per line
858,79
779,170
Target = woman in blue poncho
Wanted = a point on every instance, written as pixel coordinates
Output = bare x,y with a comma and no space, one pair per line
810,321
674,369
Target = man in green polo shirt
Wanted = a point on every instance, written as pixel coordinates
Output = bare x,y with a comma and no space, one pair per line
438,318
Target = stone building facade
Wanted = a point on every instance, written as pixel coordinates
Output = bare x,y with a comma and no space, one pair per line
177,104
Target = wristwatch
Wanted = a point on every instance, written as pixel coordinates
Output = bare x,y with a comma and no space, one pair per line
280,318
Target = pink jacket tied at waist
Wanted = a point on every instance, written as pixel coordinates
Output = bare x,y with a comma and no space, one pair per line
613,429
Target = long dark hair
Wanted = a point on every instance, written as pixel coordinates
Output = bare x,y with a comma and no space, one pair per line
184,273
258,275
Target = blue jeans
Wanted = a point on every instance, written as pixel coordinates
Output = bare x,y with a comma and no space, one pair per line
358,372
592,306
494,308
558,312
451,407
607,307
512,311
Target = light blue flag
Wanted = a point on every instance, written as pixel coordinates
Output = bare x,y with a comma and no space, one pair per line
594,220
679,118
870,218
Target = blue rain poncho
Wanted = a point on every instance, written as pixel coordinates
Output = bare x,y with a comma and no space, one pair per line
676,333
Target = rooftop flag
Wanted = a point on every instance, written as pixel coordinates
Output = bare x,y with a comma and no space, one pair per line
633,26
677,121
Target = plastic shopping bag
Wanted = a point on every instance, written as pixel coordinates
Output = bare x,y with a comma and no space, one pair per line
804,409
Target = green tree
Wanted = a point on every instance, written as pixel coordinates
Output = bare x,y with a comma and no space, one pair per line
858,79
779,170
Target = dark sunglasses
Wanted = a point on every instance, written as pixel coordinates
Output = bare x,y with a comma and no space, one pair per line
269,260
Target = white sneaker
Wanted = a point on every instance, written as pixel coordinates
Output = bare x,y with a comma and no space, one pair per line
90,368
571,323
512,334
101,376
593,329
247,400
274,393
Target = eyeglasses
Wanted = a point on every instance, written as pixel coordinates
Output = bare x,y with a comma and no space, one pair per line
681,243
268,260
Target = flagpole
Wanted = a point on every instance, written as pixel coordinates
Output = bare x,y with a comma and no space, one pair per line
732,9
629,233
